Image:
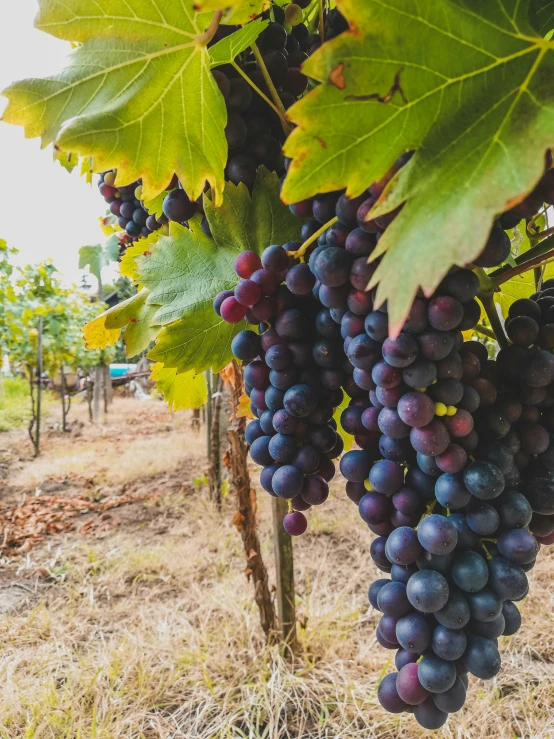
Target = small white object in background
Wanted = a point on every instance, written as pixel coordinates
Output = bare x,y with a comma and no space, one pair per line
138,391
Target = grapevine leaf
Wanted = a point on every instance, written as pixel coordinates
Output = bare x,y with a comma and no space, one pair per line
66,159
243,222
236,11
137,94
229,47
142,248
181,391
244,408
476,104
542,16
197,342
155,205
92,257
97,257
97,336
112,249
105,330
520,286
140,332
188,268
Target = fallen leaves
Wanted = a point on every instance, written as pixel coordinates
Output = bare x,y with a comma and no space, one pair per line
24,526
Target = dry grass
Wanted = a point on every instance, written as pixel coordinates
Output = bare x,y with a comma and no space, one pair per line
138,440
151,633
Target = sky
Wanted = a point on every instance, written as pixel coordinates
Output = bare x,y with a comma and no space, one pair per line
44,211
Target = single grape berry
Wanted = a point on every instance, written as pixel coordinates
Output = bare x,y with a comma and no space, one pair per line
295,523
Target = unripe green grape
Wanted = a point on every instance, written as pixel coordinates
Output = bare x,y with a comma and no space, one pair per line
293,14
287,27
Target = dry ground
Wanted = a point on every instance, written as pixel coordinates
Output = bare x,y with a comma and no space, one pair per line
144,626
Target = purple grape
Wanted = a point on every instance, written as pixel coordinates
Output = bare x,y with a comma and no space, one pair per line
295,523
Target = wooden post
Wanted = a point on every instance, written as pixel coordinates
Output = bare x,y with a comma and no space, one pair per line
39,390
208,406
284,571
31,427
245,516
89,396
108,388
97,394
214,441
65,410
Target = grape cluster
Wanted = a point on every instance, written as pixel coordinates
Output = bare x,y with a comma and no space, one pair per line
254,131
125,203
453,470
292,377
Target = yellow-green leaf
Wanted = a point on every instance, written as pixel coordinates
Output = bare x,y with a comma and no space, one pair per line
520,286
181,391
137,94
236,11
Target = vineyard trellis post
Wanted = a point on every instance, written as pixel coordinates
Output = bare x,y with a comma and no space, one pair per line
245,515
284,572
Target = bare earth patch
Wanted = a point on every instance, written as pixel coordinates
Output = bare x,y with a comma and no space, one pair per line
143,625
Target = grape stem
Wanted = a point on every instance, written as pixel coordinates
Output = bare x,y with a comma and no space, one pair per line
488,555
485,330
535,257
494,320
321,21
428,510
272,89
204,38
260,93
300,252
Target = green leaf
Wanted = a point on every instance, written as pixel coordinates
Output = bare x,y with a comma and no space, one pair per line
112,249
141,331
132,313
520,286
197,342
181,391
92,257
97,257
541,16
66,159
225,51
188,268
137,94
236,11
243,222
468,86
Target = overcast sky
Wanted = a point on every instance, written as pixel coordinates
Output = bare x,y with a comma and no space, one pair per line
44,211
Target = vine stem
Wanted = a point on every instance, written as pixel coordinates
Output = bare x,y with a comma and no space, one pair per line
492,315
321,21
272,89
205,38
530,264
300,252
260,93
535,257
485,331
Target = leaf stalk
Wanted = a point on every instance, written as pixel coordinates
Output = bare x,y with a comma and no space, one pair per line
205,38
